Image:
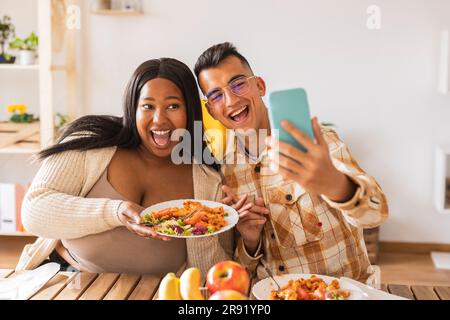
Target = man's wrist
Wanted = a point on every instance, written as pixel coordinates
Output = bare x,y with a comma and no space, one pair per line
251,246
343,190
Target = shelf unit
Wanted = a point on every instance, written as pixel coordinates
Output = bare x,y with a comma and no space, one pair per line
19,137
47,27
48,11
111,12
18,67
116,7
21,148
45,83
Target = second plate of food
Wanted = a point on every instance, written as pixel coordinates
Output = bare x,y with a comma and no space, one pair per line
189,218
306,286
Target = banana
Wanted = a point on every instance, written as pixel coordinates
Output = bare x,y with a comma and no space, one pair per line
169,288
190,284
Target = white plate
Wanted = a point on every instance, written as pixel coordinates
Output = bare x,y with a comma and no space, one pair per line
231,219
261,290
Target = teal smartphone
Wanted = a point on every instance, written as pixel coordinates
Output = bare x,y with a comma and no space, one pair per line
291,105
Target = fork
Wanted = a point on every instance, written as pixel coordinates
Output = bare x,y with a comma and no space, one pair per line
145,224
272,277
190,214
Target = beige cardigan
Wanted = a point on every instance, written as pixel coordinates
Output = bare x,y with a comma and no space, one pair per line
55,207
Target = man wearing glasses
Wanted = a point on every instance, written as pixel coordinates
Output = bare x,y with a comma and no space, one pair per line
308,215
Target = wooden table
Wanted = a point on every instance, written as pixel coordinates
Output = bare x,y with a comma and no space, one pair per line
114,286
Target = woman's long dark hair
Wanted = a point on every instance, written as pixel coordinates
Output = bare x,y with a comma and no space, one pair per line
93,132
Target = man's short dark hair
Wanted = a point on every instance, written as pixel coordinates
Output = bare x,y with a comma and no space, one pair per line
215,55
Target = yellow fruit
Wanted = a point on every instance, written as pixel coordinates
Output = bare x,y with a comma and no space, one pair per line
215,133
169,288
190,284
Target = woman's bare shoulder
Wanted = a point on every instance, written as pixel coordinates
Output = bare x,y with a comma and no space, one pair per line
123,173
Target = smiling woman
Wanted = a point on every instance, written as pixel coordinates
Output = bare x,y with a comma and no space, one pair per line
107,131
105,170
161,110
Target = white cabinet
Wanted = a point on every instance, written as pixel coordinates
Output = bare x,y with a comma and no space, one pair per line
442,179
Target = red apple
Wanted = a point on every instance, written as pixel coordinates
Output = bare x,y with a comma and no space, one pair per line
228,275
227,295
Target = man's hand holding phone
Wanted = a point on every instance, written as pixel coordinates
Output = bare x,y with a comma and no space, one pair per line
313,169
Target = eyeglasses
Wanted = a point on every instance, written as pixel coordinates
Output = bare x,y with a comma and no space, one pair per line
238,87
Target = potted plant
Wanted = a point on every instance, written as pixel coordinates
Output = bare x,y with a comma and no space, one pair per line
19,114
27,48
6,30
61,121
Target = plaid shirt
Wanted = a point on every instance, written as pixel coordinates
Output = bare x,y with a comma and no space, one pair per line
308,233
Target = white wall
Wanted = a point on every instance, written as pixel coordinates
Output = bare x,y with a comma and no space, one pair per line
378,86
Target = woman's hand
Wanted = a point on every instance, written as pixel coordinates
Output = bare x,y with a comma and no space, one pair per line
130,216
251,218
